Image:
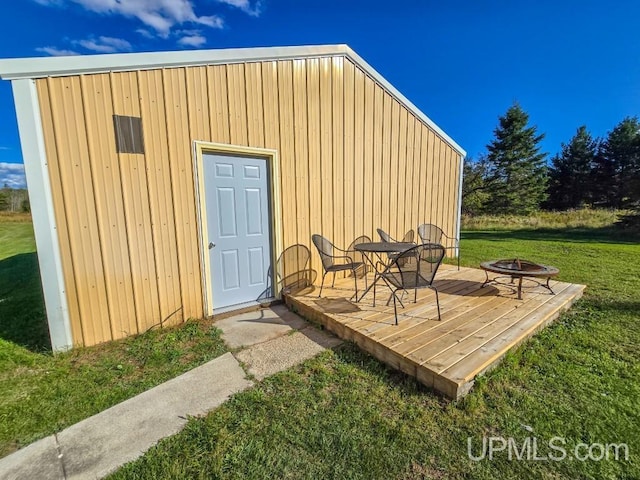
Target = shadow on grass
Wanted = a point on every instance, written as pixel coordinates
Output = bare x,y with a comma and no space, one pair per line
585,235
23,318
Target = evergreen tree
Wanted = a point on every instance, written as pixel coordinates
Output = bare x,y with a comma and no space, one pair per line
516,167
619,166
570,173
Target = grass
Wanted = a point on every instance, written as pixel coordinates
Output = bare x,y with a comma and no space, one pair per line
41,393
345,415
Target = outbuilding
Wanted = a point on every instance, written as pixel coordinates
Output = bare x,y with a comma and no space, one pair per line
166,186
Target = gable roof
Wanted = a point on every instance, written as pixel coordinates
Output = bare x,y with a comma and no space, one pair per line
40,67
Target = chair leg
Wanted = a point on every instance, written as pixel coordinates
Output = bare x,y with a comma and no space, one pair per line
415,295
395,307
374,292
437,301
355,281
458,259
322,284
333,282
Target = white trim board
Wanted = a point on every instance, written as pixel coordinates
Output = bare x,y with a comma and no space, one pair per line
44,220
39,67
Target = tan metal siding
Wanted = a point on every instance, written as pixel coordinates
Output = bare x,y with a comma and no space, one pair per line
107,185
154,127
352,158
137,211
53,162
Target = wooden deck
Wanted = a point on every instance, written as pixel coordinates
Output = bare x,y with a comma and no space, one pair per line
478,326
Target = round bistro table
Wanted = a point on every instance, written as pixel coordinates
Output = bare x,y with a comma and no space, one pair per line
516,268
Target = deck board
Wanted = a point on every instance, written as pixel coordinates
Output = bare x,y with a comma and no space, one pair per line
478,325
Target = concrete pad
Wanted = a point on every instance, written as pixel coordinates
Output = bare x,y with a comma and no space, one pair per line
100,444
258,326
38,460
281,353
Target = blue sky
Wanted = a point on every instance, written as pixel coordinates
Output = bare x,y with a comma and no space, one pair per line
567,62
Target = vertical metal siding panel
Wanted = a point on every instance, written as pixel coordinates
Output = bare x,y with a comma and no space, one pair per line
237,104
80,208
359,139
287,153
198,102
110,213
386,128
401,199
337,81
451,201
316,197
417,173
137,210
437,181
53,164
301,149
431,164
255,115
425,179
444,185
408,177
381,145
154,128
182,184
349,234
392,208
326,149
271,109
272,121
218,103
448,201
372,148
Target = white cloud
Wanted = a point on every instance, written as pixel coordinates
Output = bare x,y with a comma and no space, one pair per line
192,41
12,175
160,15
105,44
245,6
145,33
56,52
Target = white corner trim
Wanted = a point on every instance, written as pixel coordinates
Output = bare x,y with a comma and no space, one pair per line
20,68
44,223
459,226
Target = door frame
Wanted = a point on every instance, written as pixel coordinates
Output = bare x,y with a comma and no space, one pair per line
275,212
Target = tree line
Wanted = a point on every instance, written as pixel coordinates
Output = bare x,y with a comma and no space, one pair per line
514,177
14,200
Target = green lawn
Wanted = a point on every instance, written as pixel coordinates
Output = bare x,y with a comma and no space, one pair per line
345,415
42,394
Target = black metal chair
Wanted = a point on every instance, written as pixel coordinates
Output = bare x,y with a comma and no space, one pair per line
385,237
430,233
327,250
413,269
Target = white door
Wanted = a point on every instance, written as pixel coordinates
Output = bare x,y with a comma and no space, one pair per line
238,224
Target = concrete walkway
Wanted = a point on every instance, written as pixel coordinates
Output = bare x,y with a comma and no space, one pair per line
265,341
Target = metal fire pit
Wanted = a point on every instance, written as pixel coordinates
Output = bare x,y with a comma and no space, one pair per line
516,268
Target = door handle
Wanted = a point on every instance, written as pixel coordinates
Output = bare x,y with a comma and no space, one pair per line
211,245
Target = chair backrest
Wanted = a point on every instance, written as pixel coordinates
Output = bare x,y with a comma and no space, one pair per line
325,249
408,237
353,253
418,265
430,233
292,267
384,236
